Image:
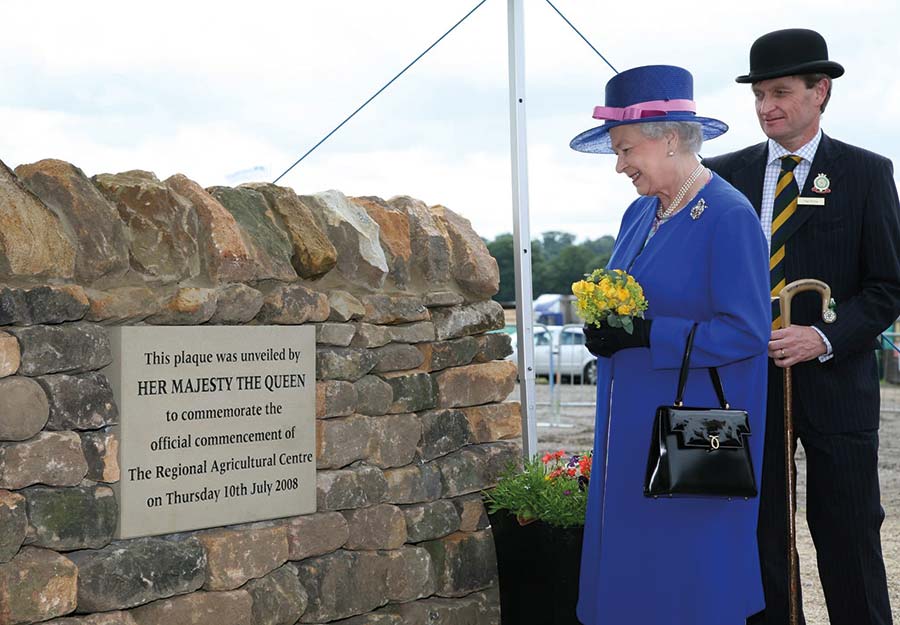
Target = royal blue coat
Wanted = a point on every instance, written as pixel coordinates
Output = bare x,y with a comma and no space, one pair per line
679,561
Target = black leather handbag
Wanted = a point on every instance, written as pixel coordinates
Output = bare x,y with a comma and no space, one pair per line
699,451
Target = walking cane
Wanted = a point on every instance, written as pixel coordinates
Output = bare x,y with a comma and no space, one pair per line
828,316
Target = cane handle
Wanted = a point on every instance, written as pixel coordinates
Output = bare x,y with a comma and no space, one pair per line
799,286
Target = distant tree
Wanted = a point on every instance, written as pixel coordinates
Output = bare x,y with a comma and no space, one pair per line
568,266
553,243
502,250
601,246
602,250
556,262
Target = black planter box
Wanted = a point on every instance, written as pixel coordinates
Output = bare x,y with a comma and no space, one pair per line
538,566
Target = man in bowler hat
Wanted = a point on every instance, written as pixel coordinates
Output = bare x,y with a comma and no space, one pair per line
839,224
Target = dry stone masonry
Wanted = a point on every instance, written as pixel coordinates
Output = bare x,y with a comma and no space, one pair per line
411,416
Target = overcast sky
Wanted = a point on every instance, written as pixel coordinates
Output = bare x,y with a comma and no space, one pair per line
228,92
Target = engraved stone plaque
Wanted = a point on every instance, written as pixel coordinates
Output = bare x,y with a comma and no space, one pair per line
217,425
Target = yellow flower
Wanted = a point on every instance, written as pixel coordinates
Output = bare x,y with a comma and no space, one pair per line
606,292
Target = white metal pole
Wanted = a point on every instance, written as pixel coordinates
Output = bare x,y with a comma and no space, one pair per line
521,228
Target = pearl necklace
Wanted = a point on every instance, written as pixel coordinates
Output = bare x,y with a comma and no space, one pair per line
665,214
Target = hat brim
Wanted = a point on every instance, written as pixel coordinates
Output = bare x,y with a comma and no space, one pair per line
597,141
834,70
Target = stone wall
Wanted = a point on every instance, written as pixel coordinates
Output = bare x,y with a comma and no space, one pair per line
411,419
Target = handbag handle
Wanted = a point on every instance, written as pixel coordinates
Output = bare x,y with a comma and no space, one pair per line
685,367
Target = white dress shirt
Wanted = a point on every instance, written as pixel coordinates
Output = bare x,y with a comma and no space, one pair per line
773,169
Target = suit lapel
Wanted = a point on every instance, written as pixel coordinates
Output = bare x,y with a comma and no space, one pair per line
824,162
748,177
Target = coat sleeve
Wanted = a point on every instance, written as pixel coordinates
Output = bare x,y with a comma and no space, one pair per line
741,322
876,306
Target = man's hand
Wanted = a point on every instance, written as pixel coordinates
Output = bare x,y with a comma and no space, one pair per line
795,344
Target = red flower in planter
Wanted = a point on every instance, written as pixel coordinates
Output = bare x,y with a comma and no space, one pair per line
551,488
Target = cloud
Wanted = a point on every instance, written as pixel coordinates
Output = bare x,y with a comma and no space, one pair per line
211,89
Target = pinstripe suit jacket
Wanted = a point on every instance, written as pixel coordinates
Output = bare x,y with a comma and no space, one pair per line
852,243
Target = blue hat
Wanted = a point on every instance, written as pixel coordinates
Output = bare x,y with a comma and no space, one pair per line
653,93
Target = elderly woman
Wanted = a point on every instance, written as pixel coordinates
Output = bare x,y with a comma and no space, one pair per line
695,245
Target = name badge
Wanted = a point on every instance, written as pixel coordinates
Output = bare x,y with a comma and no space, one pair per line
811,201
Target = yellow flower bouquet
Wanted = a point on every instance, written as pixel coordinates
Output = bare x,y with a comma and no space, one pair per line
609,295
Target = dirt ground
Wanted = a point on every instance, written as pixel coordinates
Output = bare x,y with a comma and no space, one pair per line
571,427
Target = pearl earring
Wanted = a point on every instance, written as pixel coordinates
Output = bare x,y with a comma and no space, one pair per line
671,153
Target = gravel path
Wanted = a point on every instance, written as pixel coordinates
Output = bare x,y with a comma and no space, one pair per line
572,429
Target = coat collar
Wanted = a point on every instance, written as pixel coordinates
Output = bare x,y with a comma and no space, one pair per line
826,160
751,172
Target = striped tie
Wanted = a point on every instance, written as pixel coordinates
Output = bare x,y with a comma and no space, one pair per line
786,193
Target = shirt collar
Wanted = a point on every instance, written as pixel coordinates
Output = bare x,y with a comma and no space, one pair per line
806,152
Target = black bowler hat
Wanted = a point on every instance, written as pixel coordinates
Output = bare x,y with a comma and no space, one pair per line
787,53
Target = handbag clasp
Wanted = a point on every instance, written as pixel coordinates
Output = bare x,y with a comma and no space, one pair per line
714,441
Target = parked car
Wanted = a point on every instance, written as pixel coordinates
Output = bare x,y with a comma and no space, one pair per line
570,357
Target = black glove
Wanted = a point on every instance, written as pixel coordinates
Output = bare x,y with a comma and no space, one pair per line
606,341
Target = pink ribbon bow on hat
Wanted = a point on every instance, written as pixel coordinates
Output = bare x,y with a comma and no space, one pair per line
641,110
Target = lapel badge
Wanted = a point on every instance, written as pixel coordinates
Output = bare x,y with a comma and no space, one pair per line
830,314
821,184
698,209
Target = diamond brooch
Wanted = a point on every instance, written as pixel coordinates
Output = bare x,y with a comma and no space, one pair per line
698,209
